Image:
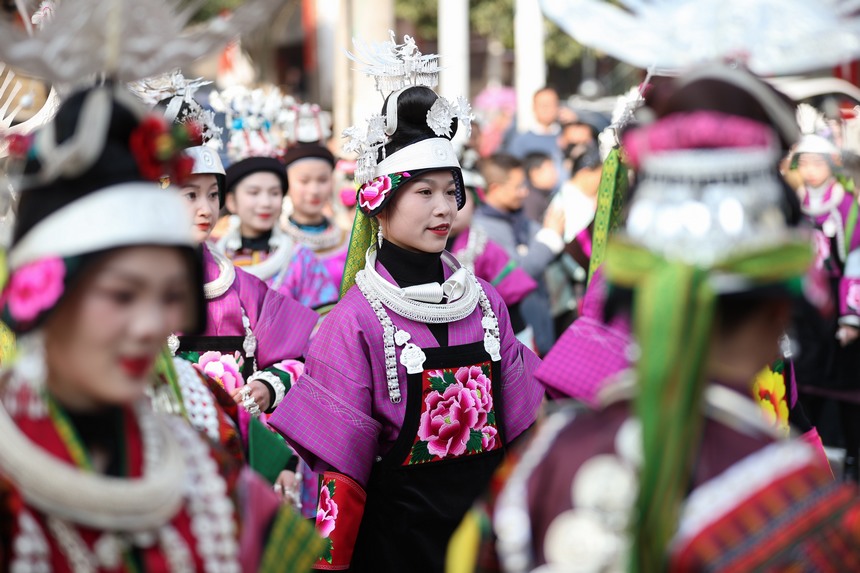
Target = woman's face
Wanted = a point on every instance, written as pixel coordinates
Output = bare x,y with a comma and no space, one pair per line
103,339
420,216
201,194
814,169
311,187
257,200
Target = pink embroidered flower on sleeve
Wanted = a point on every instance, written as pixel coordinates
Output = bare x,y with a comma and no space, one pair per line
852,297
326,511
448,419
822,248
34,288
373,193
223,368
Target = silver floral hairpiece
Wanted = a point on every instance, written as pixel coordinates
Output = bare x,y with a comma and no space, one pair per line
443,111
179,90
810,120
396,67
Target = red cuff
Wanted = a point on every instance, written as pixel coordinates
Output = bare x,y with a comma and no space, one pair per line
339,513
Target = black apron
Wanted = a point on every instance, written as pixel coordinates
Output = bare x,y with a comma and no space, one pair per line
416,498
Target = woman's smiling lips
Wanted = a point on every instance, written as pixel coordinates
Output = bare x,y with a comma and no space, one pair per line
440,230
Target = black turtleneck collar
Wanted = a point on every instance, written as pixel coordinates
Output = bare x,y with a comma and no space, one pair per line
102,430
409,268
260,243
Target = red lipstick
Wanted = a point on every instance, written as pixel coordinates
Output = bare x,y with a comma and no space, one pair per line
441,230
136,367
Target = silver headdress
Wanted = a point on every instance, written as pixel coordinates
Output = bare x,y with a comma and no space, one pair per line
396,67
307,123
769,37
179,90
257,120
622,114
123,39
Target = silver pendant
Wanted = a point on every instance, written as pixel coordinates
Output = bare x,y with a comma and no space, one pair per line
173,344
412,357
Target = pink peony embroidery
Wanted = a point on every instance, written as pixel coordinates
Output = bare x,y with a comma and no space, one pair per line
488,438
447,420
852,297
326,513
473,378
373,193
222,368
35,287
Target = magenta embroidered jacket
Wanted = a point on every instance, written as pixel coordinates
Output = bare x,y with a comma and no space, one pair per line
282,325
837,244
339,416
495,265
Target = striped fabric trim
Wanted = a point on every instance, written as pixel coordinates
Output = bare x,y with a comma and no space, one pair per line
293,544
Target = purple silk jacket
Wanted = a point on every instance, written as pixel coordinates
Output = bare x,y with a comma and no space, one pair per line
339,416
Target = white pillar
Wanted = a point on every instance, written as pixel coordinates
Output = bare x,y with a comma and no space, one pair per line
529,59
355,95
371,22
329,13
454,48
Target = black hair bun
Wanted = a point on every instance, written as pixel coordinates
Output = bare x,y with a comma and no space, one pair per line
412,107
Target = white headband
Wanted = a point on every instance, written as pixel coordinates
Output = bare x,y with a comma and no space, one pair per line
436,152
127,214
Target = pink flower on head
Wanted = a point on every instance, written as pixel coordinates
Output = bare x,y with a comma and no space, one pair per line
852,298
373,193
35,287
488,438
472,377
326,513
446,422
222,368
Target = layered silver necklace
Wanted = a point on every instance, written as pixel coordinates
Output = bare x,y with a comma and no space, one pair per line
462,293
325,240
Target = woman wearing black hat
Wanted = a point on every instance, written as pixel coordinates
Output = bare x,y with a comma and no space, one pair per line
310,169
256,187
103,267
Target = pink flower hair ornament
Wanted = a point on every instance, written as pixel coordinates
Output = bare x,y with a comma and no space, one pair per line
375,194
31,291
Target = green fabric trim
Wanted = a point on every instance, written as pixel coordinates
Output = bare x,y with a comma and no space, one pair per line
851,223
363,235
673,316
610,199
293,544
165,367
268,453
285,377
504,272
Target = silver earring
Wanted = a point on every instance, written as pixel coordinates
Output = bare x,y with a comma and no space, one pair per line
27,382
379,237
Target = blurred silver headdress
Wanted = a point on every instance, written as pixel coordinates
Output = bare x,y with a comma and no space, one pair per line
181,105
768,37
